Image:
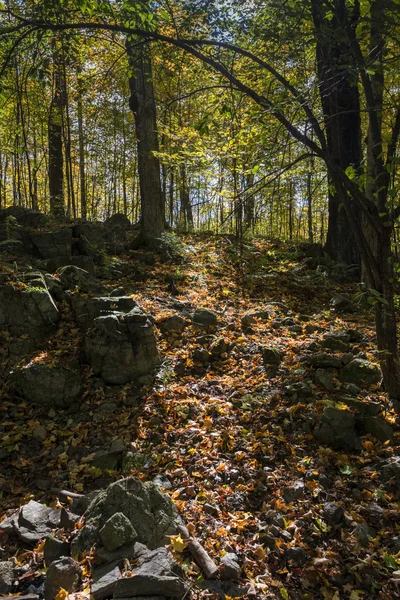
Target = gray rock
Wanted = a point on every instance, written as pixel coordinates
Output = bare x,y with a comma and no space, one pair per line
62,574
83,262
337,430
299,391
271,356
173,324
367,409
51,244
347,357
298,555
46,385
342,304
6,576
72,277
104,580
333,513
321,360
230,568
157,574
55,549
117,292
29,310
117,531
378,427
219,347
205,318
201,355
120,348
55,288
360,371
35,521
324,378
390,470
222,589
151,513
250,317
334,343
130,551
68,519
351,388
364,533
343,336
87,309
26,217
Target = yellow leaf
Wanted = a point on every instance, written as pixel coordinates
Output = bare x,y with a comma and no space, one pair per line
62,594
284,593
208,423
178,543
260,553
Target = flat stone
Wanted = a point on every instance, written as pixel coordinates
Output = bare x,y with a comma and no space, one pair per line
230,568
36,521
29,310
174,324
271,356
324,378
378,427
367,409
205,318
104,580
117,531
321,360
47,385
299,391
251,317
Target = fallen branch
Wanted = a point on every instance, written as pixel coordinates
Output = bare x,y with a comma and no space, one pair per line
200,556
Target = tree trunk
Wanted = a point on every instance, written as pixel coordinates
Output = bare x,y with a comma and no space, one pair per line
56,159
82,173
341,106
142,104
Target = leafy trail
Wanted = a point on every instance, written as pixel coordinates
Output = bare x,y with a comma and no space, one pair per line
237,454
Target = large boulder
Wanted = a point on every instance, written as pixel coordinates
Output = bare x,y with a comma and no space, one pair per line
73,277
151,513
51,244
121,348
361,372
337,429
27,310
26,217
32,522
53,386
87,309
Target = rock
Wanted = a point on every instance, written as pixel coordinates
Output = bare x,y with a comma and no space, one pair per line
51,244
374,513
39,433
90,240
251,317
88,309
205,318
390,470
33,522
337,430
83,262
121,348
367,409
55,549
104,580
72,277
151,513
118,292
118,220
347,357
334,343
27,311
68,519
299,391
296,329
321,360
333,513
106,461
156,574
230,568
26,217
117,531
342,304
201,355
363,533
62,574
173,324
343,336
297,555
378,427
324,378
351,388
129,551
271,356
46,385
355,335
219,347
360,371
223,589
6,576
55,288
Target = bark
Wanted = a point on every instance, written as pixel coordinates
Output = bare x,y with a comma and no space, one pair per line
56,159
143,105
82,172
341,106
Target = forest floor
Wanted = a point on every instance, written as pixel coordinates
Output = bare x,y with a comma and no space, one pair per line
237,453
